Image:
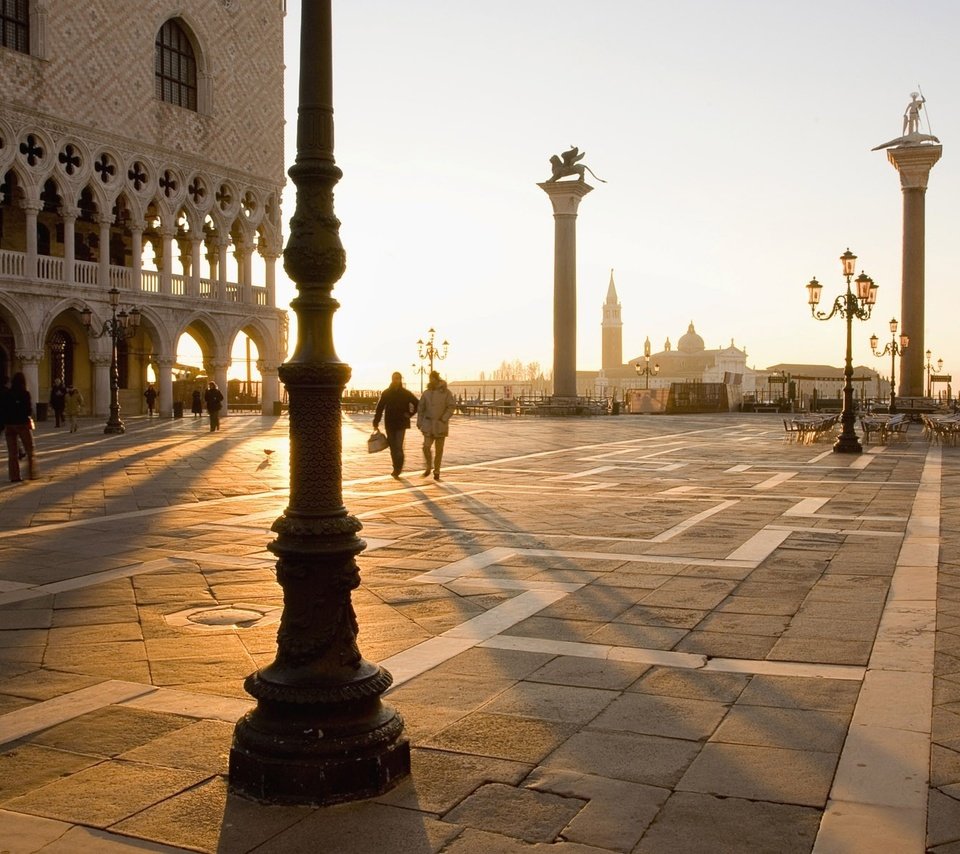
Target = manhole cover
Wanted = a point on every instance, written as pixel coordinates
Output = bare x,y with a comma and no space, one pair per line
225,617
236,616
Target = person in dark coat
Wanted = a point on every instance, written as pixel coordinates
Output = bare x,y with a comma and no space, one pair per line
16,408
196,404
213,397
395,406
150,396
58,401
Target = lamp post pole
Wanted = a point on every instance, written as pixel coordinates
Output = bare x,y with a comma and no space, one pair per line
119,326
894,348
419,369
848,306
319,733
428,351
646,371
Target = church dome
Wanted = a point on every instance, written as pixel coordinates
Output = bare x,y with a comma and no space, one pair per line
690,342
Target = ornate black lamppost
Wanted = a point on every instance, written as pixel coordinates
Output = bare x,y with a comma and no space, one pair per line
894,348
848,306
427,352
645,370
928,354
319,733
119,326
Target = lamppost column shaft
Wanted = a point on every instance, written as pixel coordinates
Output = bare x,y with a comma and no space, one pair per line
847,441
319,733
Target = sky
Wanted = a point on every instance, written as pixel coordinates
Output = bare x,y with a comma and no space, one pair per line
734,138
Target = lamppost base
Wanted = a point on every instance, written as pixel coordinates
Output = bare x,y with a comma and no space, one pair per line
114,428
847,445
288,752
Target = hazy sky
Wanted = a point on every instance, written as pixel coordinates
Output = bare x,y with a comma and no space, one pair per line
734,136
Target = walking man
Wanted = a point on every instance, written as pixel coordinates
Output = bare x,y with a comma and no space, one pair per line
436,406
58,400
395,406
150,395
214,400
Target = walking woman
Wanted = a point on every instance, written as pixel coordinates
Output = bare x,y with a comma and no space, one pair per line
17,407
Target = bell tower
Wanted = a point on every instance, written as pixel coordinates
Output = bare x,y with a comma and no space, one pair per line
611,330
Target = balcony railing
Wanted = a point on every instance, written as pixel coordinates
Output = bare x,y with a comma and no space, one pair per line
50,270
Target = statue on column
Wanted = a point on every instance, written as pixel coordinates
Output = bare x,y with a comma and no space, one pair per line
911,125
568,163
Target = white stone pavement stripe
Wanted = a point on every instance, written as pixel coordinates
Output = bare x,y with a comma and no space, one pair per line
92,579
775,480
878,801
577,475
670,533
427,655
667,658
22,722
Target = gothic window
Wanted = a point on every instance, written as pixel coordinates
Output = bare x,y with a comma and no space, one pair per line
61,357
15,25
176,66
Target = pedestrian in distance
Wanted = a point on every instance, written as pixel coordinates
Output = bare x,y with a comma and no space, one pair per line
437,404
16,407
213,397
150,396
58,400
395,406
196,403
74,406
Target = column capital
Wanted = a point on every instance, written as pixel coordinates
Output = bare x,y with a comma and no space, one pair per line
267,367
164,361
69,212
565,196
914,163
102,360
30,357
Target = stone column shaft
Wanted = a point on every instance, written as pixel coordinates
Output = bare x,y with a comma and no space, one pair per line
565,197
914,163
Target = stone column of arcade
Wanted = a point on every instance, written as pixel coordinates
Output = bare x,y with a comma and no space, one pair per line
565,197
320,732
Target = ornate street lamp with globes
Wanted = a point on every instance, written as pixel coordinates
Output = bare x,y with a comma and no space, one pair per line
427,351
848,306
645,370
119,326
894,348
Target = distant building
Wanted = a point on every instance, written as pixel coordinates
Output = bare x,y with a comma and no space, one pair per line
611,330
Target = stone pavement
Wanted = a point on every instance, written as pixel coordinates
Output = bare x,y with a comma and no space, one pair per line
631,634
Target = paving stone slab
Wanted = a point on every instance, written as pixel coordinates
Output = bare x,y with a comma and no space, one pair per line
798,729
439,780
705,824
800,777
105,793
672,717
521,813
625,756
362,828
589,672
518,739
692,684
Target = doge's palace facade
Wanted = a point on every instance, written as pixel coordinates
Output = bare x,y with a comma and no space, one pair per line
141,149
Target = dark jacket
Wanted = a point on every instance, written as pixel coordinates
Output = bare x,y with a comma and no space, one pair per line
58,398
15,407
213,398
396,405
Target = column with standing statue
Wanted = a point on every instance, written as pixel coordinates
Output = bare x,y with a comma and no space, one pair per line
913,155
